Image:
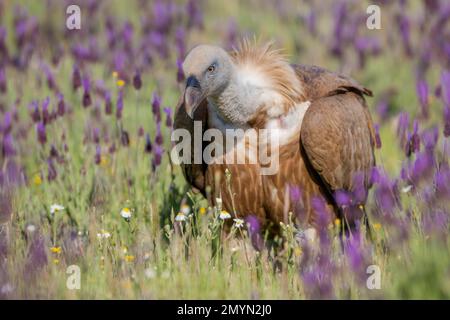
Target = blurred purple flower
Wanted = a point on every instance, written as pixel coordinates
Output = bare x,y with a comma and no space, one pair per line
180,41
34,111
254,231
445,87
422,93
158,136
125,138
98,154
52,173
148,144
402,127
156,107
45,112
119,105
413,140
195,14
8,149
157,155
180,72
404,26
76,78
168,113
61,105
447,121
108,102
2,80
41,133
86,94
137,81
36,257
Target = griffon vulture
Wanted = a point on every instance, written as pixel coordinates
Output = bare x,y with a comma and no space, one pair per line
325,131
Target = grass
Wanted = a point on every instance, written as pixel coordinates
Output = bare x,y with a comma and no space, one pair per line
150,257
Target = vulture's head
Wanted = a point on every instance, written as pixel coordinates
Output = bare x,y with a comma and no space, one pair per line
208,70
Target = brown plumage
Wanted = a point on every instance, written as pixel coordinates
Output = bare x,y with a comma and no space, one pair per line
335,140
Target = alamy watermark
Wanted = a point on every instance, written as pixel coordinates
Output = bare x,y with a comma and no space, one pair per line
73,20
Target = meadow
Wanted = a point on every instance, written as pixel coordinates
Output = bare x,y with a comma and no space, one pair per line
86,178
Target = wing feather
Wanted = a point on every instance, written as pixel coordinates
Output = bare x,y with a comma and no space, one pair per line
337,132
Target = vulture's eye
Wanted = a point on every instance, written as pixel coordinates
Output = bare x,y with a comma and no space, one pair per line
211,68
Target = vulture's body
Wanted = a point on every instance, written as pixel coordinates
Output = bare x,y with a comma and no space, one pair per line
325,131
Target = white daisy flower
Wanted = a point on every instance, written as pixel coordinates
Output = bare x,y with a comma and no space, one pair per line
126,213
180,217
55,208
224,215
238,223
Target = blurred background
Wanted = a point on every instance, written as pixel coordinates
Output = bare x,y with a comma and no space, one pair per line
86,117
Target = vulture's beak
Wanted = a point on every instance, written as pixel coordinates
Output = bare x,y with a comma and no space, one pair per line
192,95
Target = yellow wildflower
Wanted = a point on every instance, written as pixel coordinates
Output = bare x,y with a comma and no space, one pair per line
376,226
337,222
37,180
56,250
129,258
202,211
120,83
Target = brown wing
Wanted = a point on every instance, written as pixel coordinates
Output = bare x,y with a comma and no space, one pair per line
194,173
337,132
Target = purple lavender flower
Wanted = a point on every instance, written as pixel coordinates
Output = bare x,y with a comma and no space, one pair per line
76,78
180,41
34,111
125,138
402,127
7,123
195,14
41,133
45,112
52,173
422,93
119,105
86,94
2,80
8,149
158,137
61,105
137,81
168,113
413,140
108,102
447,121
254,231
156,107
180,72
148,144
157,155
36,257
98,154
445,87
404,27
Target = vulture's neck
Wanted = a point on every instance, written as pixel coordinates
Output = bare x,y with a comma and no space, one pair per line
256,95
